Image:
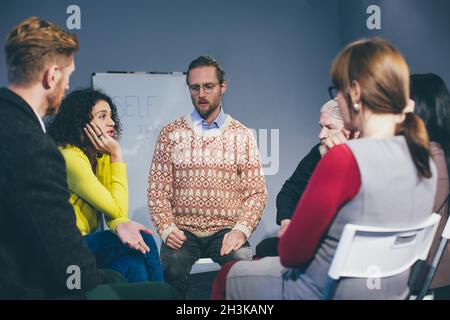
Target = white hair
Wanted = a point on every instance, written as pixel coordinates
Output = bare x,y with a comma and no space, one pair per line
333,110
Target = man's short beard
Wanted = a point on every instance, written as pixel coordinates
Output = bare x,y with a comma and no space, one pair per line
54,100
206,113
53,106
323,150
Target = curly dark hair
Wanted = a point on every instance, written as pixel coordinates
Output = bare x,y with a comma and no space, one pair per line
75,112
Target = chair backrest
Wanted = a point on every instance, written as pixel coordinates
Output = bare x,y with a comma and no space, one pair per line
374,252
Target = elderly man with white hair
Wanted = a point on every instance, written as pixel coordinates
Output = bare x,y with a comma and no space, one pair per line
332,132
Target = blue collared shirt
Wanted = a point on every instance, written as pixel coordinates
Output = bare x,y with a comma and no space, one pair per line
216,124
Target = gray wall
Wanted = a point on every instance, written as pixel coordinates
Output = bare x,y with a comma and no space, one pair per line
276,53
419,28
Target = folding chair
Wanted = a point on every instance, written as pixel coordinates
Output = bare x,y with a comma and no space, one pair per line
390,251
436,259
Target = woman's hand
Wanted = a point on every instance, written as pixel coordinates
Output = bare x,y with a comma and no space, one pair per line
102,142
130,234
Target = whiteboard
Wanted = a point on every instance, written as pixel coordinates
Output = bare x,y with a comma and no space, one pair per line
145,102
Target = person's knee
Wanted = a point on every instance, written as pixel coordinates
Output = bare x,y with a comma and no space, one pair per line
149,240
244,253
151,243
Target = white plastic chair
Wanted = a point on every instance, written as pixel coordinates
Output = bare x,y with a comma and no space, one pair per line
445,236
374,252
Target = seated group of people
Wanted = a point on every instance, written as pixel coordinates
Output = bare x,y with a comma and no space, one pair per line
374,165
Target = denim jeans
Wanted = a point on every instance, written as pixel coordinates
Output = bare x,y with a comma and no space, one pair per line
177,264
111,253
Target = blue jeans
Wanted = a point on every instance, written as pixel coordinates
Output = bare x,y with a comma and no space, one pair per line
111,253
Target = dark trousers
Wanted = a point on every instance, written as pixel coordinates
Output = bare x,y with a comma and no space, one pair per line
177,264
267,248
111,253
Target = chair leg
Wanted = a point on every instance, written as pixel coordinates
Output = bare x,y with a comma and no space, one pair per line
329,289
432,270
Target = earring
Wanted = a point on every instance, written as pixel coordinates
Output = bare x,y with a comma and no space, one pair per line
357,107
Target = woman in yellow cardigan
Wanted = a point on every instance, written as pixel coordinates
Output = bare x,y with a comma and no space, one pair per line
86,130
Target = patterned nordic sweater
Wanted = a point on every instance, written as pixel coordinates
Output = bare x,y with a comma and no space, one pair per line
203,182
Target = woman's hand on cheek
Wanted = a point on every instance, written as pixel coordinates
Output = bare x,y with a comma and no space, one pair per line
101,140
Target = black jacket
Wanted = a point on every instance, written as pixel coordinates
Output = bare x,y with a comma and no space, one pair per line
293,188
38,236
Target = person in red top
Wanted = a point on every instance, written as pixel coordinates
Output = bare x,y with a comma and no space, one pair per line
358,182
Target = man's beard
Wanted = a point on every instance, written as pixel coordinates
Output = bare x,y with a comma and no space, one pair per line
54,100
323,149
206,113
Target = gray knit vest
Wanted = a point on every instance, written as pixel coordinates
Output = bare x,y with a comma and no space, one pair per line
391,195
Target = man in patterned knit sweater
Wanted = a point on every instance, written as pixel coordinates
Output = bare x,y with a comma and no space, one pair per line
206,187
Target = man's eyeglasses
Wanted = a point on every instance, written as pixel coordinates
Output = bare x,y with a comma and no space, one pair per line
333,91
207,87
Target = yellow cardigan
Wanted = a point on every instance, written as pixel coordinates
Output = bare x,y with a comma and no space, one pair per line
91,195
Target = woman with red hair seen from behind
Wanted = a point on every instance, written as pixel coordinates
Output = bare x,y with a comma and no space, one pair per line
385,179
